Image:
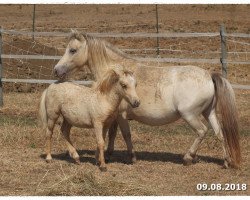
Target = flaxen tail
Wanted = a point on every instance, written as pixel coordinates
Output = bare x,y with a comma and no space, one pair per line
226,100
42,114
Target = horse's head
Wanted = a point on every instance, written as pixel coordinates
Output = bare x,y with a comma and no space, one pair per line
125,83
75,56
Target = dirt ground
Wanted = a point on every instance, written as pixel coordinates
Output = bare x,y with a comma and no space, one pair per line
159,169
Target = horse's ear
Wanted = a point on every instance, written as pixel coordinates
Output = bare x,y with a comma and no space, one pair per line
81,37
76,35
73,31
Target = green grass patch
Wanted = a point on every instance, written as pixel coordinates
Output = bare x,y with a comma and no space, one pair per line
17,120
245,132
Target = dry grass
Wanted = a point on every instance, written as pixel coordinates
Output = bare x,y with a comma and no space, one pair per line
158,171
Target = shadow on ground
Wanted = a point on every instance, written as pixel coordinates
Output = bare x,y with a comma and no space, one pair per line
86,156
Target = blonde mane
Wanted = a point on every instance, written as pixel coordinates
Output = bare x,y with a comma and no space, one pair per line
110,78
107,82
102,55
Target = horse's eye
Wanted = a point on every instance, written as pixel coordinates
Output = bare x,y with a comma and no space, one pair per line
72,51
124,86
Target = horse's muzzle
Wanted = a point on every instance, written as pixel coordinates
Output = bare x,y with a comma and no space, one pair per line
59,73
136,103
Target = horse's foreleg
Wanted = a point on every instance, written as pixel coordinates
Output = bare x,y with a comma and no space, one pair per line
100,147
196,123
112,132
126,133
65,131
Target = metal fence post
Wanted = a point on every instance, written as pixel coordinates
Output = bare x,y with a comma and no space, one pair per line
157,30
1,85
223,58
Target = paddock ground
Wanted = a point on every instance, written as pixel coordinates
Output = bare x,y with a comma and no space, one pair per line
158,171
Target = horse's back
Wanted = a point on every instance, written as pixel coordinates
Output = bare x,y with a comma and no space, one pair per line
68,90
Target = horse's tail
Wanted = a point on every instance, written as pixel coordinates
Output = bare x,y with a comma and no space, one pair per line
226,100
42,114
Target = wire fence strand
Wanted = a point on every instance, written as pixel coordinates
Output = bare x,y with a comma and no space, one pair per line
159,59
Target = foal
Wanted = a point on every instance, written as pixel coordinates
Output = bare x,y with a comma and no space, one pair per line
85,107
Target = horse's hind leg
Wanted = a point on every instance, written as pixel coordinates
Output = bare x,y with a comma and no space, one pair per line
49,133
126,133
112,132
65,130
212,118
196,123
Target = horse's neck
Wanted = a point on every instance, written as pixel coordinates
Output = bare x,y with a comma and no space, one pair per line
99,64
113,98
98,67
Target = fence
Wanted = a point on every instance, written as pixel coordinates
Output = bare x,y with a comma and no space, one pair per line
223,60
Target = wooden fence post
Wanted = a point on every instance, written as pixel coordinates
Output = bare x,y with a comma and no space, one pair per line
157,29
223,58
33,24
1,85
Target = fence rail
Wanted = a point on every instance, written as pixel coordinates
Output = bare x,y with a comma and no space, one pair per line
127,35
141,59
222,60
86,83
39,81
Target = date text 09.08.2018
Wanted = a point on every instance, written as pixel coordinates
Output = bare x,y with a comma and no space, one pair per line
221,187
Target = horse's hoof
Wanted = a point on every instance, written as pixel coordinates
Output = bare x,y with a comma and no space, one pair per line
195,159
188,160
133,159
48,160
107,157
103,169
187,163
77,161
225,165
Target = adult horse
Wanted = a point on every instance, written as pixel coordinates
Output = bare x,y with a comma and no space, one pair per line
166,93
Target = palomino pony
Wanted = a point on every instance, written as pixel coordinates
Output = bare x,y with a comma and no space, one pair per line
86,107
166,93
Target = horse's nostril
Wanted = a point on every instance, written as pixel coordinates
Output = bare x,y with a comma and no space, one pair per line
136,103
55,72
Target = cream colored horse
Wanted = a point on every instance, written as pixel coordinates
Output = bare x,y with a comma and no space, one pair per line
166,93
86,107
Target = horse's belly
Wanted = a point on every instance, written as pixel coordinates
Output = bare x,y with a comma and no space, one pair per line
77,117
153,115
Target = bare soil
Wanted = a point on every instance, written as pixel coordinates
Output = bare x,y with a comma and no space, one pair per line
159,169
